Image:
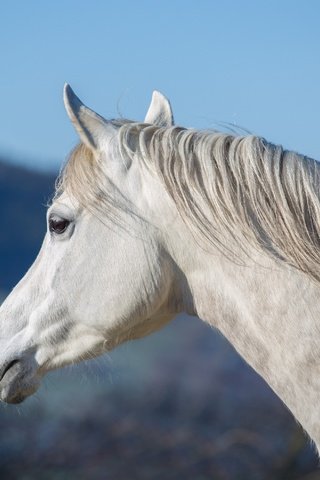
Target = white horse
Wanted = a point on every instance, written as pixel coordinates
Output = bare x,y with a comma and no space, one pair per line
150,220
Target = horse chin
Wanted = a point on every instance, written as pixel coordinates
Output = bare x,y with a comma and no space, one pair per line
18,383
18,396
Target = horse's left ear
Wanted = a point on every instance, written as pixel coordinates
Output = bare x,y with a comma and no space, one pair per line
91,127
160,111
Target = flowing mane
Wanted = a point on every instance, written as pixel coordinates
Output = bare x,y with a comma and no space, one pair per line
228,189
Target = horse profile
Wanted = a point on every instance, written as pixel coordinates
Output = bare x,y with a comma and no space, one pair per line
150,220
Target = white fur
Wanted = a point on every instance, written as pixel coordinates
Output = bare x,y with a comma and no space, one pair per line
105,281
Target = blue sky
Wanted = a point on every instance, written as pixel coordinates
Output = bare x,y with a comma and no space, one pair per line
252,63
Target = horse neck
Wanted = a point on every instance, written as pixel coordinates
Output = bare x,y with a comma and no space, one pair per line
269,312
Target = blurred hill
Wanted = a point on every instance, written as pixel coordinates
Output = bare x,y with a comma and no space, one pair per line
24,195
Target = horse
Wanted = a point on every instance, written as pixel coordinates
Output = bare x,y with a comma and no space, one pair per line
150,219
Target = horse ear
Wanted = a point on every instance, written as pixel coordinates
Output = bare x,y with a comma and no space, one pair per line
91,127
160,112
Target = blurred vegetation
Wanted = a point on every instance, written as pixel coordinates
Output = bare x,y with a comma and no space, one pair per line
180,404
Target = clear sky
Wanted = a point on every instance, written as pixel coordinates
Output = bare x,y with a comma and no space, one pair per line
253,63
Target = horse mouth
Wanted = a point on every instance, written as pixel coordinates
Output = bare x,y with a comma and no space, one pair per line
18,381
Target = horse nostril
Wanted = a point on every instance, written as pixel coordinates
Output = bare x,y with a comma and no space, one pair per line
7,368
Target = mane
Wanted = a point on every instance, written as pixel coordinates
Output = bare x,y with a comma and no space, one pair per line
231,191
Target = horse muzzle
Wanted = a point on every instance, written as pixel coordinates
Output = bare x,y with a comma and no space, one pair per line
18,380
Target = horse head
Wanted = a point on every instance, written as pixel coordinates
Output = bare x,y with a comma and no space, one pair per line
102,275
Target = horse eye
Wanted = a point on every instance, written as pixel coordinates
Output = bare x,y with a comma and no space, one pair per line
58,225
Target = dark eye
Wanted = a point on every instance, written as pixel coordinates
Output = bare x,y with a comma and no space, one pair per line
57,224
